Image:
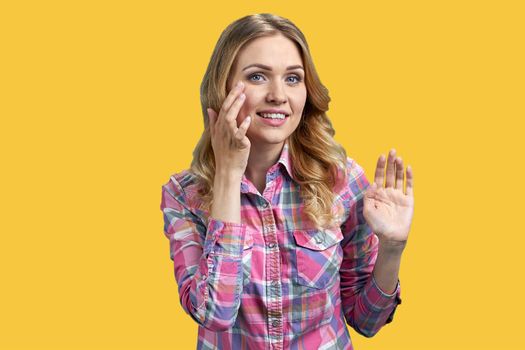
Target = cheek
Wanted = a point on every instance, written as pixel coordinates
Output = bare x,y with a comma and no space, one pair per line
249,105
299,99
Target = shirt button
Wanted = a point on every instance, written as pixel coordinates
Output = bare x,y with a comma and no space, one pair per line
203,277
271,245
275,323
275,283
265,205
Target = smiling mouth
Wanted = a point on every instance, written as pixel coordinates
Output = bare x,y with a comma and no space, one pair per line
274,116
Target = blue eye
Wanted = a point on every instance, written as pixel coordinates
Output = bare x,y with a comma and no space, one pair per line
298,79
254,75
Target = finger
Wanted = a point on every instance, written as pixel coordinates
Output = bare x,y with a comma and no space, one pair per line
379,176
232,96
399,174
239,135
212,118
410,181
390,169
233,112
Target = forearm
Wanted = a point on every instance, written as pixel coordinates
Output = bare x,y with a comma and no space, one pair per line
226,197
386,269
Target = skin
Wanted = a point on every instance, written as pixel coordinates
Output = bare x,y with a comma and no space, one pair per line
248,146
279,88
388,211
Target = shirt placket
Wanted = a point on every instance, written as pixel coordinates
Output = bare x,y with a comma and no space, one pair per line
273,268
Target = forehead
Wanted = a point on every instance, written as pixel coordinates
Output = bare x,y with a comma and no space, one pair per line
276,51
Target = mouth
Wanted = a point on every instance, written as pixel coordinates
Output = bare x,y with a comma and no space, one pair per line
273,116
273,119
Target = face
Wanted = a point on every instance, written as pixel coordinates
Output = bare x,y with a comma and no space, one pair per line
272,71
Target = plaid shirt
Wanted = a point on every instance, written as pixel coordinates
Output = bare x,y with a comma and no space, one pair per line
274,281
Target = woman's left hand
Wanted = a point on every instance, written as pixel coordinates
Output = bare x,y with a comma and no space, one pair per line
388,210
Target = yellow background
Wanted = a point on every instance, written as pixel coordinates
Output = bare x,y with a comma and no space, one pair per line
99,105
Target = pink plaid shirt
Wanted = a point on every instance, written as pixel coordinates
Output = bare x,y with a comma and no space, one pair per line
274,281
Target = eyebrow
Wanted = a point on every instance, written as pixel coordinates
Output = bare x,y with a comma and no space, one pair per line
270,68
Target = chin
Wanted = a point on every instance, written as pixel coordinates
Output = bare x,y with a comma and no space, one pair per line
274,139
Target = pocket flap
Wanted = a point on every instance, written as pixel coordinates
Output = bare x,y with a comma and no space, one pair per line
318,239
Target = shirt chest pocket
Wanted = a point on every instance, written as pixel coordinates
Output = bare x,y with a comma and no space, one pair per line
317,256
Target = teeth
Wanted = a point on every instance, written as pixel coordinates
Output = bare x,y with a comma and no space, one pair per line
272,115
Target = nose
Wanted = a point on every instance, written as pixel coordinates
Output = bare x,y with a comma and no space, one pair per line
276,93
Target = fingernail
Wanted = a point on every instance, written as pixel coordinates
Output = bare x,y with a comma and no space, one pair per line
249,119
242,96
239,84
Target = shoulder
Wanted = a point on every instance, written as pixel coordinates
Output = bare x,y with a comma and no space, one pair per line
354,171
183,187
355,181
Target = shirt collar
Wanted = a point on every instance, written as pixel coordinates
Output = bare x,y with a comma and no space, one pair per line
284,159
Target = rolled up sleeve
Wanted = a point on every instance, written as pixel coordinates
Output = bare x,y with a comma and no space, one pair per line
366,307
207,260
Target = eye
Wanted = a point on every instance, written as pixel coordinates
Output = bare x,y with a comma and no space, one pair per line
254,75
297,79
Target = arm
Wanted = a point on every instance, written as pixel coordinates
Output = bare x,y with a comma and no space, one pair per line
386,269
207,258
366,306
388,211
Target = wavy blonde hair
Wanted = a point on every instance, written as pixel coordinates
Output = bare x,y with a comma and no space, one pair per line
315,154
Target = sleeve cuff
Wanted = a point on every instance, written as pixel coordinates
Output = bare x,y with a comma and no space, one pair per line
382,292
378,299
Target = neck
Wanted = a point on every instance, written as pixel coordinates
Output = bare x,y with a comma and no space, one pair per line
261,158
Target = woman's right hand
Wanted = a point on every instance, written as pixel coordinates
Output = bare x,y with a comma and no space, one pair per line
230,145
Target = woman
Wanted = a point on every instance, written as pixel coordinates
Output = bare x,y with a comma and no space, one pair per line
275,234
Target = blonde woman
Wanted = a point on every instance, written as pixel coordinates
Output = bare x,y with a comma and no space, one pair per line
276,236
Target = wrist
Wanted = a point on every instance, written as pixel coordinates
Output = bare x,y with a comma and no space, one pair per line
392,247
227,177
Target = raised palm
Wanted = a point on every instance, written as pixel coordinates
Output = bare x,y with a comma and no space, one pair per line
387,209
